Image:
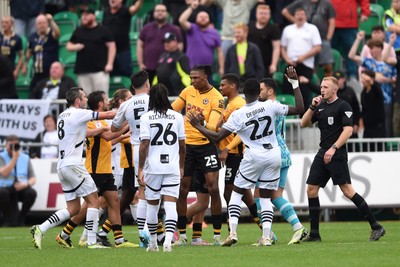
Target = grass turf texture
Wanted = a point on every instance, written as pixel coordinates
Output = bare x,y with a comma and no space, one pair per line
343,244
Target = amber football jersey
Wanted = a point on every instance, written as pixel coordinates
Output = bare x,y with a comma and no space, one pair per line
98,151
210,103
233,105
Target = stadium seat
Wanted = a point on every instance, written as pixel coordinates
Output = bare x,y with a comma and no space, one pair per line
119,82
374,19
66,21
385,4
99,16
64,54
278,77
134,23
133,37
69,68
287,100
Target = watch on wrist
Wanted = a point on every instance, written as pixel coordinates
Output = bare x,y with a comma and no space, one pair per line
334,146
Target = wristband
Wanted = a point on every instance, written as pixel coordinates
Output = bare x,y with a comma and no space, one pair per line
204,123
312,107
295,83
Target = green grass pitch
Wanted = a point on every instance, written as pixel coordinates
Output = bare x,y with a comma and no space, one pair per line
343,244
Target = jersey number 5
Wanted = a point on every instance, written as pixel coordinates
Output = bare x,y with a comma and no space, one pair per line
253,135
169,137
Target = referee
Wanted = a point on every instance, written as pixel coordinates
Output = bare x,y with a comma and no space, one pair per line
335,121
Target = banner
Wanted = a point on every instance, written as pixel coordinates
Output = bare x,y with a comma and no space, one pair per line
375,176
23,118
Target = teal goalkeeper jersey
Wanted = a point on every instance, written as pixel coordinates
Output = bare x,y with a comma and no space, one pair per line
280,129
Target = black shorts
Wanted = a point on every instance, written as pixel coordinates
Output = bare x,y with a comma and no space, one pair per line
104,182
203,157
337,169
232,166
198,182
128,178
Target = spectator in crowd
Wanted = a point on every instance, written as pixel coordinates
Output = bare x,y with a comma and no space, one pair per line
267,37
378,33
300,42
49,137
150,43
16,180
347,93
244,58
278,18
7,82
346,27
75,5
373,113
117,19
202,39
55,86
25,13
96,51
234,12
385,74
173,66
396,104
391,23
321,13
43,46
11,44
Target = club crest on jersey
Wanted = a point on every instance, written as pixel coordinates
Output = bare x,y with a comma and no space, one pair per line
205,101
348,113
330,120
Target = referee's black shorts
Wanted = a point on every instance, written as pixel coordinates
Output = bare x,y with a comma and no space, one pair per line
337,169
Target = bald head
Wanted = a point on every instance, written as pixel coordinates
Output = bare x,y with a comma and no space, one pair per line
42,24
56,71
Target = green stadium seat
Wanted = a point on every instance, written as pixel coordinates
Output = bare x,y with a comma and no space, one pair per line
69,70
278,77
385,4
133,37
374,19
66,21
286,99
119,82
64,54
99,16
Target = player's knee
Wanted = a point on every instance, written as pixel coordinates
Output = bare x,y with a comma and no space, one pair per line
312,192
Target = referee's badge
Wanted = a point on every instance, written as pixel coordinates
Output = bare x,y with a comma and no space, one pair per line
348,114
205,101
330,120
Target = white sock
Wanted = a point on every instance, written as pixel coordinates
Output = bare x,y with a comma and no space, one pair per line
133,208
171,218
267,214
152,223
141,214
234,210
54,220
92,222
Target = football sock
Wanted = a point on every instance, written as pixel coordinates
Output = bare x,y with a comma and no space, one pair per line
254,214
314,209
287,211
133,208
152,222
234,210
118,235
267,214
68,229
160,230
92,222
217,224
141,214
106,227
171,216
362,205
181,225
197,230
54,220
257,200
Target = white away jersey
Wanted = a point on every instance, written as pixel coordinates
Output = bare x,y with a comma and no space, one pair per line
164,132
71,129
255,124
131,111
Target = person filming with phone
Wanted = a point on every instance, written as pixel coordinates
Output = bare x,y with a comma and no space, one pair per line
16,180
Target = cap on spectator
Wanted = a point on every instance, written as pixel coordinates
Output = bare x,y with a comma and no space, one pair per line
88,10
169,36
339,74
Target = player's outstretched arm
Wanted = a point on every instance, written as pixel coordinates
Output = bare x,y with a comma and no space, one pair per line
292,78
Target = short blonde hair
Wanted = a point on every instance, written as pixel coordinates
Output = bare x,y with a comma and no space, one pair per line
333,80
242,26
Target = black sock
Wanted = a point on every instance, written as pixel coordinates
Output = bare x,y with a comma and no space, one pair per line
217,224
359,201
181,225
314,209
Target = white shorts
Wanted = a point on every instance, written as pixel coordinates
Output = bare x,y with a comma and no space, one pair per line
161,184
118,181
135,149
264,169
76,182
